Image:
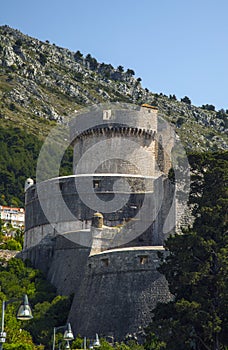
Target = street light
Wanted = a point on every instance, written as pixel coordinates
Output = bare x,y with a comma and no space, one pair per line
24,313
97,341
67,345
95,344
68,334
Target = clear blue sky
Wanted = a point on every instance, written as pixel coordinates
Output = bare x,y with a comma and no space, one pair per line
176,46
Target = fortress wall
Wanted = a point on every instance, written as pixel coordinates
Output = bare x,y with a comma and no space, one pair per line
63,210
67,213
61,259
114,291
118,292
37,234
68,265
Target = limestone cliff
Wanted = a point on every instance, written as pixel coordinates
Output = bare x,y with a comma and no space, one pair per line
41,82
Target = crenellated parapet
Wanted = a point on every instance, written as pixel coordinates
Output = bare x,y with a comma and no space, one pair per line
119,131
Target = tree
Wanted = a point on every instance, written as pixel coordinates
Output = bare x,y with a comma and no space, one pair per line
120,69
221,114
186,99
78,56
43,59
180,121
130,72
12,244
172,97
92,62
19,236
208,107
197,266
49,310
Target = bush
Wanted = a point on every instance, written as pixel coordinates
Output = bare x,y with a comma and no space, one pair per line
186,99
208,107
12,244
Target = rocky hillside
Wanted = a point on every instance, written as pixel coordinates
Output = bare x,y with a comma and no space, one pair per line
41,84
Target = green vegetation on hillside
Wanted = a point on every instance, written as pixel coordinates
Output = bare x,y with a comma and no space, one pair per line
196,269
197,266
18,158
49,310
42,84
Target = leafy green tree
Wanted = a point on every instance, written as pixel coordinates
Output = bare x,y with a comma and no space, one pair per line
197,265
172,97
77,343
105,345
12,244
186,99
43,59
120,68
18,157
17,278
221,114
78,56
47,316
180,122
153,343
208,107
130,72
19,236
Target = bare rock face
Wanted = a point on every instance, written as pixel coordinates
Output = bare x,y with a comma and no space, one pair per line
48,82
6,255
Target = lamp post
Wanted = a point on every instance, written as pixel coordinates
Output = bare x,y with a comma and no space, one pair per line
97,341
68,334
95,344
24,313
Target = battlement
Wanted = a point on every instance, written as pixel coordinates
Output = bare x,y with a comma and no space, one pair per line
135,118
111,130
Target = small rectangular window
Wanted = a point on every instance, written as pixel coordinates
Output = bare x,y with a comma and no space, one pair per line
105,262
143,259
96,183
107,114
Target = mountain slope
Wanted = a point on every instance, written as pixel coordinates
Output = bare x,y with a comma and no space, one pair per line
42,84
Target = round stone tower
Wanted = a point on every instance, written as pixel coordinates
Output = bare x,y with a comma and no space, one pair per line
119,155
112,210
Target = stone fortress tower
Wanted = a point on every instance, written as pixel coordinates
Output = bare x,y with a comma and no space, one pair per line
97,233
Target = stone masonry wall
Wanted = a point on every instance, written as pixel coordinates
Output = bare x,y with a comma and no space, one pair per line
118,293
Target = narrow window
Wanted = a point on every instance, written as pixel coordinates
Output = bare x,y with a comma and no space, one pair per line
96,183
107,114
143,259
105,262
